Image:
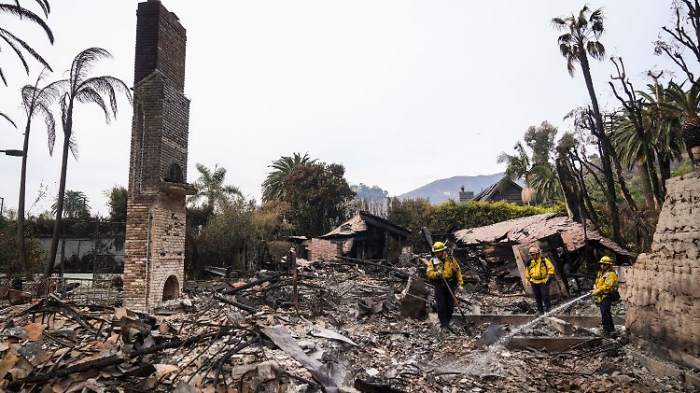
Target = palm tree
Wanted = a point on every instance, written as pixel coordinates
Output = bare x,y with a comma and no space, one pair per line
545,182
75,205
518,167
36,102
581,38
684,104
18,45
81,88
210,186
665,126
630,148
273,185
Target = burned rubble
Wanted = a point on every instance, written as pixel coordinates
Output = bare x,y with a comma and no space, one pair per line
333,326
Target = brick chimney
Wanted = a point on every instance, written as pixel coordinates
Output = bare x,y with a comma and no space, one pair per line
156,215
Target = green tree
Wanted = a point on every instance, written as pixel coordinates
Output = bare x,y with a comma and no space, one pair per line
224,239
318,195
581,38
9,250
18,45
75,205
665,126
82,88
545,182
210,187
117,200
413,214
684,104
36,102
273,186
541,141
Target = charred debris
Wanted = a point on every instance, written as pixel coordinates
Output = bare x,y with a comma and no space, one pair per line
341,325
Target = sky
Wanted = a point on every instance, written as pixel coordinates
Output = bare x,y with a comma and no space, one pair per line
400,92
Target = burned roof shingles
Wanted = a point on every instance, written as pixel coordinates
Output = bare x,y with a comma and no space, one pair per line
528,229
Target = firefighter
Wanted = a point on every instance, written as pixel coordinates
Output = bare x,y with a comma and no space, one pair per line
444,270
605,291
538,274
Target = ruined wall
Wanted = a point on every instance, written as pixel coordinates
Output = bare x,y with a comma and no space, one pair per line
326,250
155,229
663,287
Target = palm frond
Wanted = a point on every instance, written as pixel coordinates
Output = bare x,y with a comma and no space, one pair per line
25,13
73,145
596,50
50,123
2,76
4,116
7,36
88,96
84,62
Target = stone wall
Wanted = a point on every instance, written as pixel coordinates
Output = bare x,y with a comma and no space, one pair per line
663,286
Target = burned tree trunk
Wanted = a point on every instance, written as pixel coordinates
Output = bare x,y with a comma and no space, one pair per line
571,191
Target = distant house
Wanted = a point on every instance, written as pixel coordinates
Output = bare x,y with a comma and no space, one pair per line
511,193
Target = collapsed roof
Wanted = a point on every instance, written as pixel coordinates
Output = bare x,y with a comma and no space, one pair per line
529,229
360,224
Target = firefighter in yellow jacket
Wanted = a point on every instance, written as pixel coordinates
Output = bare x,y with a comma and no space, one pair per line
605,285
538,275
444,270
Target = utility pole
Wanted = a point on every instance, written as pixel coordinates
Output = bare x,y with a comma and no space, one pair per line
2,205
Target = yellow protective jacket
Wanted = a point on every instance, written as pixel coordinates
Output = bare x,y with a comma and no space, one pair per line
446,268
606,282
539,270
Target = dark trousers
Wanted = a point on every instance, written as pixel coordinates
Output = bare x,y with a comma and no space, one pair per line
444,301
541,292
606,314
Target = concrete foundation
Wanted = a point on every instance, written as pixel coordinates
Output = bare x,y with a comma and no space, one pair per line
582,321
554,344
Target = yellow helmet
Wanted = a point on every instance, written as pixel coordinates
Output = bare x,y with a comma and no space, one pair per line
606,260
439,246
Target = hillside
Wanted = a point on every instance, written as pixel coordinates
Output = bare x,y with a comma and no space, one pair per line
444,189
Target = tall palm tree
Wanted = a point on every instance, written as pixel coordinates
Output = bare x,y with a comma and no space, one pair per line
685,105
580,39
75,205
273,185
36,101
211,187
18,45
81,88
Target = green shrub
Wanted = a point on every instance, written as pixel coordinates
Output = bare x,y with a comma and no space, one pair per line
451,216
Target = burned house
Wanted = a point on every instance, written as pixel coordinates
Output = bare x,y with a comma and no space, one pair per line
364,236
567,243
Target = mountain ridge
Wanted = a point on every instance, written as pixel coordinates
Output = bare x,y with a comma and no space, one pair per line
442,190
